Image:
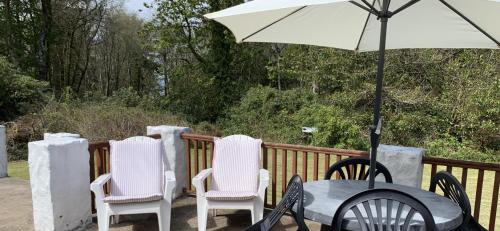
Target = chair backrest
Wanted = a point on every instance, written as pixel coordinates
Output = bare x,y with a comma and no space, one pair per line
294,194
236,164
453,190
136,167
368,209
356,168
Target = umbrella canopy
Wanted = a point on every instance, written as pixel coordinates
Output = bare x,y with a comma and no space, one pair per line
344,24
363,25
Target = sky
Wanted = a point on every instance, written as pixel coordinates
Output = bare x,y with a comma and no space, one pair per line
137,7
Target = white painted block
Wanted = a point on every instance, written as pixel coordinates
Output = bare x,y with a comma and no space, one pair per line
47,136
3,152
175,151
404,163
59,177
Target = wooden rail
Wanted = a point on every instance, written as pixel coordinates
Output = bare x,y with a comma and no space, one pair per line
288,159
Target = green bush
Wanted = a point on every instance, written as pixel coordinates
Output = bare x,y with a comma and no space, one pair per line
19,94
450,147
334,127
267,113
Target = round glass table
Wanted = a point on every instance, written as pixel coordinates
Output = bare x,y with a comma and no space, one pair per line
323,198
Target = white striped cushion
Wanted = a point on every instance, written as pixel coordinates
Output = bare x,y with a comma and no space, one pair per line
236,164
136,169
128,199
229,196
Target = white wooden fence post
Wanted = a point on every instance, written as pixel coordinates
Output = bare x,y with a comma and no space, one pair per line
47,136
404,163
175,150
3,152
59,176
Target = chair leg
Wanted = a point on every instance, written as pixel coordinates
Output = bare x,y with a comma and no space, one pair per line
164,217
103,221
202,215
257,211
115,219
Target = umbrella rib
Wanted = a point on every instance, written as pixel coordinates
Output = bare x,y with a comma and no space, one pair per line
364,27
269,25
368,4
470,22
365,8
408,4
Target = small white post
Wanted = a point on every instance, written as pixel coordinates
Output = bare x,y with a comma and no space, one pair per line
59,176
404,164
175,150
47,136
3,152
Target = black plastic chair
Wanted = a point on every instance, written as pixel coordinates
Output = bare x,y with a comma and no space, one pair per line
453,190
294,195
357,168
403,219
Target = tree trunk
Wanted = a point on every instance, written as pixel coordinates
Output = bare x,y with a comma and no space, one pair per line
44,42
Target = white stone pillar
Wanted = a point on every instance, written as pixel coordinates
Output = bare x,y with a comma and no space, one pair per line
3,152
47,136
59,176
404,163
175,151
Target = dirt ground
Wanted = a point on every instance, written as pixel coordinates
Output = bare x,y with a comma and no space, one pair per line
16,214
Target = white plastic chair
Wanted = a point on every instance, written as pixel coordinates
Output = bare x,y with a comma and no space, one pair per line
237,180
139,183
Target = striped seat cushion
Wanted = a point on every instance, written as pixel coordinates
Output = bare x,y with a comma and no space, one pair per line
134,199
236,166
229,196
136,170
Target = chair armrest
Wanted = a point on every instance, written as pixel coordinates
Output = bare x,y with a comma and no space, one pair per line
170,184
263,182
199,179
97,186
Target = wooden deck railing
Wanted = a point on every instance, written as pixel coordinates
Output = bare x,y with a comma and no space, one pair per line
100,163
284,160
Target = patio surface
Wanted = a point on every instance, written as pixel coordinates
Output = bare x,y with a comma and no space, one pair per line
16,214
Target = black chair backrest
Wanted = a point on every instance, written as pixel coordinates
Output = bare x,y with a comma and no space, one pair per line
356,168
400,207
294,195
453,190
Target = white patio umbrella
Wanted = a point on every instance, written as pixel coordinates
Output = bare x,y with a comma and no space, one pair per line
361,26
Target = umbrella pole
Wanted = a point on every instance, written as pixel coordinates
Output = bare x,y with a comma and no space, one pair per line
375,128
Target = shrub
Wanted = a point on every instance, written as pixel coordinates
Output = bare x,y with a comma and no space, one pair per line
451,147
19,94
334,127
93,120
266,112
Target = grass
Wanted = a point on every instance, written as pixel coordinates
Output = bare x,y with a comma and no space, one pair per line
18,169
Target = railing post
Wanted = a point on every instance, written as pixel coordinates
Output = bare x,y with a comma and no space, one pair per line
175,153
59,178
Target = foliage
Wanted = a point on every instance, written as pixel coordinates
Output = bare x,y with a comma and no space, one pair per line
102,63
94,120
451,147
19,94
201,57
334,127
267,113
